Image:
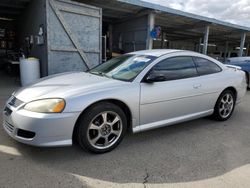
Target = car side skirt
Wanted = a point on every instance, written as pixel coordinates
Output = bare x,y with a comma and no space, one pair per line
172,121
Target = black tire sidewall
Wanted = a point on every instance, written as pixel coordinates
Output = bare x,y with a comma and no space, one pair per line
88,116
216,114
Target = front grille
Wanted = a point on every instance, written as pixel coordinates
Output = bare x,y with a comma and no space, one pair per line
15,102
9,127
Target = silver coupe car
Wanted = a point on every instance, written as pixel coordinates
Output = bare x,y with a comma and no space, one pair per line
137,91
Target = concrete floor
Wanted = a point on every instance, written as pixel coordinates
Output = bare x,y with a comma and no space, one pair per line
200,153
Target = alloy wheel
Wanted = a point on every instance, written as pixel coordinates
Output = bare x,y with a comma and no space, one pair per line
226,105
104,130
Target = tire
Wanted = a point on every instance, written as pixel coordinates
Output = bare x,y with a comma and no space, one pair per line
224,106
101,128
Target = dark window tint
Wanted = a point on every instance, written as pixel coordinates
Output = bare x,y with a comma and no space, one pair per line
205,66
176,68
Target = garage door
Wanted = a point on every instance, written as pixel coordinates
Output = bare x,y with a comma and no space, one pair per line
73,36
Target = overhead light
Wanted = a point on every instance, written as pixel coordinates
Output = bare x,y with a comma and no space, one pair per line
238,48
158,39
6,19
209,44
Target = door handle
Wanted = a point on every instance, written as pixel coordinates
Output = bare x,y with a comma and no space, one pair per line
196,86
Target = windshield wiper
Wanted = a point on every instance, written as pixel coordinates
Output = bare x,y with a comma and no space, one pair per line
100,74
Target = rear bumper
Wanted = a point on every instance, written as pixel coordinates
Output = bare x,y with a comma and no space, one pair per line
48,129
241,92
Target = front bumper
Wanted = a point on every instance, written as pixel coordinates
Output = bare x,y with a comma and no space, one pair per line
50,129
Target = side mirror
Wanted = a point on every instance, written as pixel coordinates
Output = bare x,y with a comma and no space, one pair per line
153,77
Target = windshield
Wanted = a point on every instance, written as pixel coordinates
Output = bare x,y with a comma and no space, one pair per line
124,68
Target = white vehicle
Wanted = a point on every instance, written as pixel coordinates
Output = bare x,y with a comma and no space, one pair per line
137,91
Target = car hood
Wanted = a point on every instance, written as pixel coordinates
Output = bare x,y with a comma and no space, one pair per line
65,85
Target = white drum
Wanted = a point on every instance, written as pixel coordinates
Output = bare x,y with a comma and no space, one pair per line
29,70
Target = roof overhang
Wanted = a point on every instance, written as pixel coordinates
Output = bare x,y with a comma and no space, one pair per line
177,24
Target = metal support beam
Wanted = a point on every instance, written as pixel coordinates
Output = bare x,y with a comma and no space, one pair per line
205,40
199,47
242,43
247,51
162,40
151,23
226,50
110,40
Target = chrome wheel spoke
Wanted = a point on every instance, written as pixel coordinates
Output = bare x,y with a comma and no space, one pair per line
227,97
115,132
93,126
104,117
94,140
225,112
106,143
223,101
115,121
221,109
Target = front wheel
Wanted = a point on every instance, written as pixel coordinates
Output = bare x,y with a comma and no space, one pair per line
101,128
224,106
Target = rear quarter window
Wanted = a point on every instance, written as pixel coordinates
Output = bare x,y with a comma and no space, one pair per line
205,67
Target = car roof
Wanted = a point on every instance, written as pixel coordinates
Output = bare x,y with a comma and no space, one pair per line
156,52
160,52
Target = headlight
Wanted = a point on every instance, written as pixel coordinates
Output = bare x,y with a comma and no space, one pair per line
46,106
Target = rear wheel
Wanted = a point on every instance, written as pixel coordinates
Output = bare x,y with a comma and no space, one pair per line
101,128
224,106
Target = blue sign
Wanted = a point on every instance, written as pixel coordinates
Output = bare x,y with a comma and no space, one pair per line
156,32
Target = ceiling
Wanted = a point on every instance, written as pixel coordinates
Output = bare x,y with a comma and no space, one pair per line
183,28
177,25
114,10
12,8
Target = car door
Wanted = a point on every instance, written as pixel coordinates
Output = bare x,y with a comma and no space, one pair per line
176,97
212,81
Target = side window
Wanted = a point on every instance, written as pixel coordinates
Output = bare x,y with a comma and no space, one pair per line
205,66
176,68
